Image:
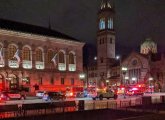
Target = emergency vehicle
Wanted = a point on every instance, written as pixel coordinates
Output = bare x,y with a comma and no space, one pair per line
104,93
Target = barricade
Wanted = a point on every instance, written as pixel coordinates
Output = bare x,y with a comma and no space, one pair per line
81,105
146,100
162,99
8,111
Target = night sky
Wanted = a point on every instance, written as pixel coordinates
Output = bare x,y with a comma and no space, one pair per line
135,19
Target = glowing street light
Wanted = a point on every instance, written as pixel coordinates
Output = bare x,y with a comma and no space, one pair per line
150,79
124,70
82,77
117,57
95,58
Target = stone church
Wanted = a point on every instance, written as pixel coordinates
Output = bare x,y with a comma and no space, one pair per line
144,67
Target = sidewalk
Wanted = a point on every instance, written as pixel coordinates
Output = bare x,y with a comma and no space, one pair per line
155,94
31,97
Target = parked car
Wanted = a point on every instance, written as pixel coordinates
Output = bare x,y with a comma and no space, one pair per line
54,96
9,95
40,94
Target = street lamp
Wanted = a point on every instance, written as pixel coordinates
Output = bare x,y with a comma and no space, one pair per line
119,58
124,70
150,79
134,79
82,77
107,82
127,78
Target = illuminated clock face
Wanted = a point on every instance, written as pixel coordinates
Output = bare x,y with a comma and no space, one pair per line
134,62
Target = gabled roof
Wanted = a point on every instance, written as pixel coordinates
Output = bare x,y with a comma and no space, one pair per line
27,28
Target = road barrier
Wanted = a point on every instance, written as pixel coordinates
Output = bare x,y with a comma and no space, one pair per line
9,111
23,110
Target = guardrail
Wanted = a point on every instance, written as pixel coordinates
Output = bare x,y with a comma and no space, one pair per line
11,111
23,110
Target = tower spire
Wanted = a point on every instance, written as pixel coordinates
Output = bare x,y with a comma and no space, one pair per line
105,4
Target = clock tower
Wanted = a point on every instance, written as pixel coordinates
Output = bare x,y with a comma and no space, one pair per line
105,38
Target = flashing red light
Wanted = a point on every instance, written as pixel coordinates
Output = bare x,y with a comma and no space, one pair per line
139,85
134,88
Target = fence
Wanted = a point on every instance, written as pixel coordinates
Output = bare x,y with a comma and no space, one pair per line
9,111
24,110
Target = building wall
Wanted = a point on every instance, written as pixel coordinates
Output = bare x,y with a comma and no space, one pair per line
50,76
138,68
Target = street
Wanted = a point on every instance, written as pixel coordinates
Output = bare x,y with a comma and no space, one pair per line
30,100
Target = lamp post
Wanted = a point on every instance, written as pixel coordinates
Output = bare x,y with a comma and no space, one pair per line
150,79
119,58
124,70
127,78
134,79
82,77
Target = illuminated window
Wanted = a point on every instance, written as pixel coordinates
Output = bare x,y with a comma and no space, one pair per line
61,57
49,56
110,23
62,81
39,55
26,54
11,51
71,58
102,23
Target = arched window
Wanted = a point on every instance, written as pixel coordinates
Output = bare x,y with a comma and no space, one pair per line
71,58
102,23
49,56
11,51
61,57
39,55
110,23
26,54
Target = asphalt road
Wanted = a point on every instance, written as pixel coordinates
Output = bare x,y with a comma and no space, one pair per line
31,100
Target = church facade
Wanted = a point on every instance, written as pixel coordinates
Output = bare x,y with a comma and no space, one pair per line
32,56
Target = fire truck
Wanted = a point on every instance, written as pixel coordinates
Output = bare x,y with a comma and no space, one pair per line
74,92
